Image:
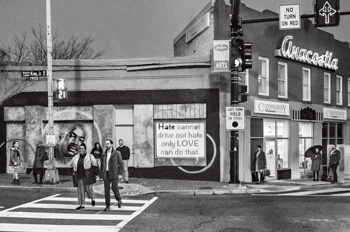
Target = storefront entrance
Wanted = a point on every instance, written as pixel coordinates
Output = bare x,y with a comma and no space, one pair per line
270,146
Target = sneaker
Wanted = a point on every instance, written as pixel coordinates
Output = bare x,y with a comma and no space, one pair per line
93,202
107,209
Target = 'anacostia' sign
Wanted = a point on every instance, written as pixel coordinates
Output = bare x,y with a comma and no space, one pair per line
290,51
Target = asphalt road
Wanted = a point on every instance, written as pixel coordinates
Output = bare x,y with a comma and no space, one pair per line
33,210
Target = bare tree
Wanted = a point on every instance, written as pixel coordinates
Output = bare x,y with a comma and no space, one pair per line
22,50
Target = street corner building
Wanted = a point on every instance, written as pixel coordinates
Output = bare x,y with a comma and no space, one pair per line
171,112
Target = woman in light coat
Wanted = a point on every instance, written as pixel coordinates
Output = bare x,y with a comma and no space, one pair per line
84,177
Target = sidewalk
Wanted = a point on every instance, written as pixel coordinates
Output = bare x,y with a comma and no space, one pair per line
140,186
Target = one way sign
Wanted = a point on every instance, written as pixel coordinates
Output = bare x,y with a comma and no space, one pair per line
235,118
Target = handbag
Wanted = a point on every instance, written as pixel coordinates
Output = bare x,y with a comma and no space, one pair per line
95,170
266,172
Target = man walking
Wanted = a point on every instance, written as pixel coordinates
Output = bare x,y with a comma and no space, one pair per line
334,157
111,165
125,152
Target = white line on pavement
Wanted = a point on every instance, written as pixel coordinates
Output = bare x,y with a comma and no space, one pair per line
55,228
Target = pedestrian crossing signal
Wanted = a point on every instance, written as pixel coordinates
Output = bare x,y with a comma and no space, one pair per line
327,13
61,92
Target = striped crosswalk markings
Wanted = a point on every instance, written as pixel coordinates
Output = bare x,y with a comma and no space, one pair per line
323,192
48,209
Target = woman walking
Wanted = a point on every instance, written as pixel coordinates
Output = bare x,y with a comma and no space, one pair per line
15,161
97,152
84,176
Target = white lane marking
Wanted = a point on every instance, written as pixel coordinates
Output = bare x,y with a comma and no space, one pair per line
123,223
73,216
55,228
89,207
97,200
318,192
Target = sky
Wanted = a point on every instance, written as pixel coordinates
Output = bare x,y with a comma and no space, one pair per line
128,28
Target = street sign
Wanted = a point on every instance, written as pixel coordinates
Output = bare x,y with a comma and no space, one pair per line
235,118
289,17
34,75
221,54
327,13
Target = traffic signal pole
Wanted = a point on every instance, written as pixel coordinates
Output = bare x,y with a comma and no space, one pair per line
234,151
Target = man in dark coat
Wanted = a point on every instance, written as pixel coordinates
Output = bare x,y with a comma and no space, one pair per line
38,164
334,157
111,167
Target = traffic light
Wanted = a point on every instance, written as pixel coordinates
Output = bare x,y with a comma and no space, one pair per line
238,93
61,91
241,54
327,13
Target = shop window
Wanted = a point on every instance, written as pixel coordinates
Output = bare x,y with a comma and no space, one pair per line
332,133
282,129
327,88
256,128
305,141
282,80
263,77
306,84
339,90
269,127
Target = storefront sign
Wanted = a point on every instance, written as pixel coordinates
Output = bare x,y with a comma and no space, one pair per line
289,51
221,54
198,27
180,139
289,17
329,113
267,107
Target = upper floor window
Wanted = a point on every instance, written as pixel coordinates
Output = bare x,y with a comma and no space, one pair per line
306,84
327,88
339,90
282,80
263,77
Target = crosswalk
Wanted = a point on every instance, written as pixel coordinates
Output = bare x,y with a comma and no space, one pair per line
57,213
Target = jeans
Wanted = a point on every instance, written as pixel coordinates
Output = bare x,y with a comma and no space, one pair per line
82,188
107,185
125,171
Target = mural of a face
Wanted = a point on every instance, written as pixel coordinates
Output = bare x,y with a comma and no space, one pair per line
69,141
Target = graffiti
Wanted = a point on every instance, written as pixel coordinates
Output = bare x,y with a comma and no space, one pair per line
206,167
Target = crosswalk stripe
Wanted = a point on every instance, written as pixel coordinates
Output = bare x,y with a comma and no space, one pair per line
71,216
54,198
68,206
56,228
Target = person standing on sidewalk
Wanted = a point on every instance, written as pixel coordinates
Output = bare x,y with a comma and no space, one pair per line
259,164
82,165
97,152
15,161
334,157
38,164
125,152
316,163
111,165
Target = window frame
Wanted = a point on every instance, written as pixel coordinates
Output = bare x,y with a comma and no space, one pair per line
329,88
267,78
339,90
285,85
308,99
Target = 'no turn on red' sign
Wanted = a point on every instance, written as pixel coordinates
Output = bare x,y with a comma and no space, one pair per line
235,118
289,17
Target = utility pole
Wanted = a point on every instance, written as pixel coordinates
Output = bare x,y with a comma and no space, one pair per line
51,174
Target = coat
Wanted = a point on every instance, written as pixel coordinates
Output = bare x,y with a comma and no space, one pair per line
89,161
15,157
40,154
316,161
115,165
261,160
334,157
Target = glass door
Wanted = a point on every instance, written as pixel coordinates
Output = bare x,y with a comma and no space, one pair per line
270,146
